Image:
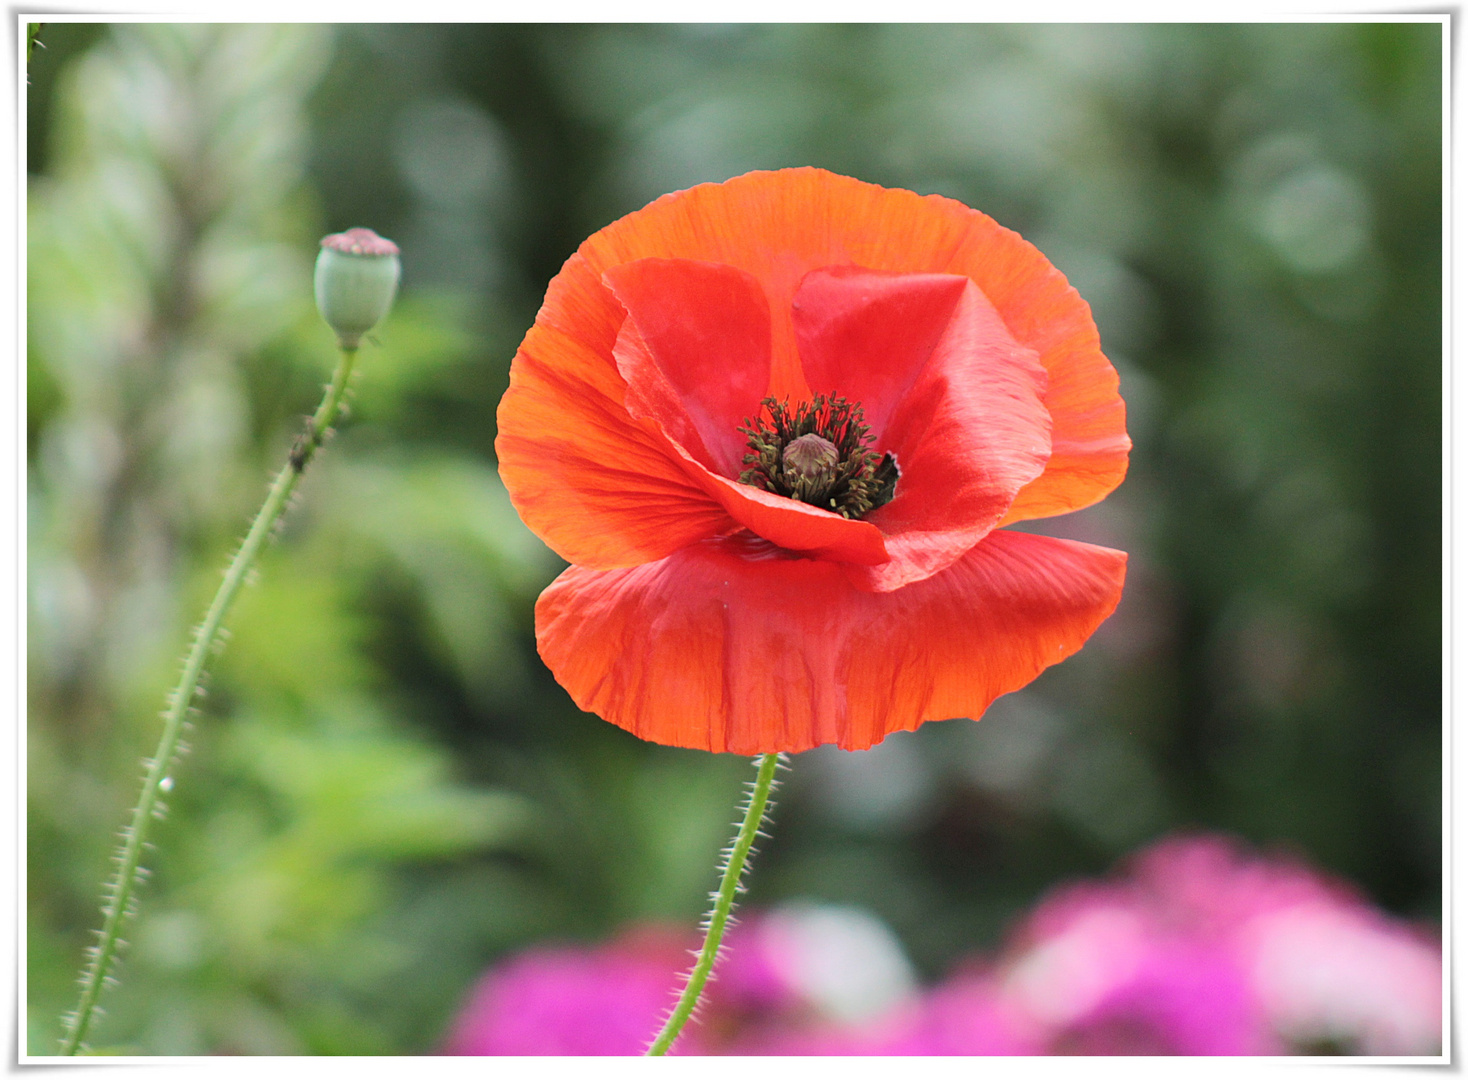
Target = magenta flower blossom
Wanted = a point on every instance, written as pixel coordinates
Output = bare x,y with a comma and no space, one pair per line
1103,974
1200,947
1206,949
964,1017
575,1001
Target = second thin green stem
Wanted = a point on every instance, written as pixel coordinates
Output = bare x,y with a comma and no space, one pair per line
121,886
754,814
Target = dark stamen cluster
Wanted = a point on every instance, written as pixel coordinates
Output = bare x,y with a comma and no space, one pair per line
855,484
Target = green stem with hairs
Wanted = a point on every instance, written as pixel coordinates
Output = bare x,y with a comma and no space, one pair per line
754,814
118,894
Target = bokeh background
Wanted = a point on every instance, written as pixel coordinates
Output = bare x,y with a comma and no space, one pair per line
387,793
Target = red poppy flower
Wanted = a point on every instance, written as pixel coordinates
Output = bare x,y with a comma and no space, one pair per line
775,424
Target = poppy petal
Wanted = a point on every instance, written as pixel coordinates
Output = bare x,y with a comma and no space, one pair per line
600,488
958,402
791,524
867,334
1089,445
732,645
778,226
695,352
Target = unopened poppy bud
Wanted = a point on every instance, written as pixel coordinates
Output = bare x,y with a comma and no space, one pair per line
811,456
356,279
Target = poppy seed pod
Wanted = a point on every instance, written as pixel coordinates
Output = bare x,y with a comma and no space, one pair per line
356,279
810,455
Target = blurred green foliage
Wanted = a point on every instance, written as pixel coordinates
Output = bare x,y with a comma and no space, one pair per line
387,790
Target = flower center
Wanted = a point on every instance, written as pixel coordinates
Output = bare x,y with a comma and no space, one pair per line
819,453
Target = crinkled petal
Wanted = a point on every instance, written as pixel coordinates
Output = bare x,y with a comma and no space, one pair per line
792,524
732,645
779,226
787,522
953,397
1089,445
867,334
599,487
695,352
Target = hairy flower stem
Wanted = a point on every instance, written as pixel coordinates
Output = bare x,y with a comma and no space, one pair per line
119,890
738,855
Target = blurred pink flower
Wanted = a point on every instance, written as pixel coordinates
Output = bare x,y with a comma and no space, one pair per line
1206,948
964,1017
1200,947
1103,974
1348,977
576,1001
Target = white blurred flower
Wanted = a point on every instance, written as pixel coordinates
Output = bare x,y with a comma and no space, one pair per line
843,960
1346,976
